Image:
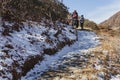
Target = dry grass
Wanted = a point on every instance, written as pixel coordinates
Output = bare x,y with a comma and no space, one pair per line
108,54
102,62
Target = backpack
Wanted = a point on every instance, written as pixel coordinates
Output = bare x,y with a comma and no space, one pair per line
74,15
82,20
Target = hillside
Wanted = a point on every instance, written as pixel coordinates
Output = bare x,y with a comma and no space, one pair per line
21,50
33,32
101,62
113,22
21,10
30,29
110,34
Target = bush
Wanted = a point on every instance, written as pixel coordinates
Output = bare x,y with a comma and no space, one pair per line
17,10
91,25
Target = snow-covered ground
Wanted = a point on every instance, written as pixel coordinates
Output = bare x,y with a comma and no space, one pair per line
86,39
117,77
30,41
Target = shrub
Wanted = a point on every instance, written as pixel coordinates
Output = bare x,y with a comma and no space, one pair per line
17,10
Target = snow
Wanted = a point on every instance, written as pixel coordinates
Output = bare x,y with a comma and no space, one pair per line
117,77
29,41
85,40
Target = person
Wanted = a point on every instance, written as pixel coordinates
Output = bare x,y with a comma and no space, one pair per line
82,21
75,18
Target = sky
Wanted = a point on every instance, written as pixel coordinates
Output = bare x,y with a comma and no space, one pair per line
94,10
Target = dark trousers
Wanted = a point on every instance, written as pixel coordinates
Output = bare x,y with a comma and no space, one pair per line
75,23
81,25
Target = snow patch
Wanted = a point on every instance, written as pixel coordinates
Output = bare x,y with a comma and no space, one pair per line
85,40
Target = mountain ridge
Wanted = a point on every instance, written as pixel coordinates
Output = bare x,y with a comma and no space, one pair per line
113,21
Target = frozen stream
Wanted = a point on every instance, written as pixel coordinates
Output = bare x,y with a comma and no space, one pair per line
86,39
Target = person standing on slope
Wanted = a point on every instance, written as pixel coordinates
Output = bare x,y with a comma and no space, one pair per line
82,21
75,18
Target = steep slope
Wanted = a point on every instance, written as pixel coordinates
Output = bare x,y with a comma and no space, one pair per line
112,22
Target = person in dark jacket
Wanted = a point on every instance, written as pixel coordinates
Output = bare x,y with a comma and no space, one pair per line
75,18
81,21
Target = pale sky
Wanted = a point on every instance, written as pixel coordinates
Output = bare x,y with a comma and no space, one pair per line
94,10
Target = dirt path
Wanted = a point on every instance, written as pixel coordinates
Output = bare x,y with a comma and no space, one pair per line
99,63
